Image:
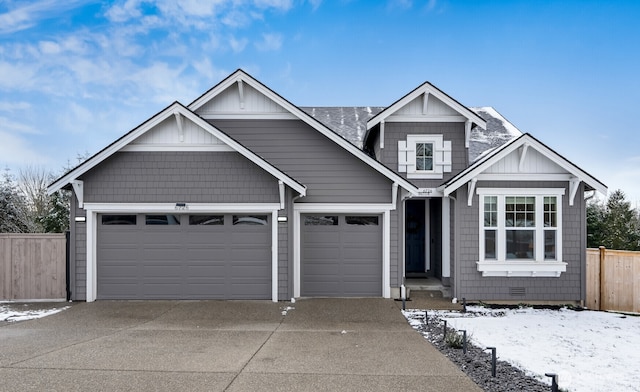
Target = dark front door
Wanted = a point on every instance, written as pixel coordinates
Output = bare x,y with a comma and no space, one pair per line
415,233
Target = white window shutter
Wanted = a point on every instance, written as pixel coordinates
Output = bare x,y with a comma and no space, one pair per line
406,157
446,148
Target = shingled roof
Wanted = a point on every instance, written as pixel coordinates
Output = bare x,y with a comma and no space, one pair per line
351,124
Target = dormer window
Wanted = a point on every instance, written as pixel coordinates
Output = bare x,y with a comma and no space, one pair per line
424,156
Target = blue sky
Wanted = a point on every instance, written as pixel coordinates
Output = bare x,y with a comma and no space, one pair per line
75,75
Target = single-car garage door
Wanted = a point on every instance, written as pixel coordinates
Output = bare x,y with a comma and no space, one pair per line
341,255
182,256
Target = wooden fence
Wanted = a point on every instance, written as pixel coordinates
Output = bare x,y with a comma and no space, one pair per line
613,280
33,267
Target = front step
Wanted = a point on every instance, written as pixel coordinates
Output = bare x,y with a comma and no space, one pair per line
432,286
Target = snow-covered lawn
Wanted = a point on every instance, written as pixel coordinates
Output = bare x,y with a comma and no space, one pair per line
590,351
17,312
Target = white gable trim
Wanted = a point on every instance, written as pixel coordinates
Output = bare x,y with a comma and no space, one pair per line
501,152
175,109
425,90
240,75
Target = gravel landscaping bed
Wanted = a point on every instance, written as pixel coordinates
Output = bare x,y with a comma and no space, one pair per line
476,363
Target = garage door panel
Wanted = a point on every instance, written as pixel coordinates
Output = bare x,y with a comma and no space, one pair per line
186,261
340,259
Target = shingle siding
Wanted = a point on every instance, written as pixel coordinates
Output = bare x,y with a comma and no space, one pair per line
331,174
169,177
471,285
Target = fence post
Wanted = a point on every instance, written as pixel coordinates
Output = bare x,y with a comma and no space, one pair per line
601,276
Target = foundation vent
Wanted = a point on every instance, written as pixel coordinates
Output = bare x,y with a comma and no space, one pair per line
517,291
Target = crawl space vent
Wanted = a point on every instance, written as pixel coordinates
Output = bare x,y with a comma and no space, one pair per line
517,291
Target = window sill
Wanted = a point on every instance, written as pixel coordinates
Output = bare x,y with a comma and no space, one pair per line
424,175
543,269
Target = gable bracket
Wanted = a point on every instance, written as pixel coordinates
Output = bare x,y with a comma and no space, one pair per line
78,188
394,195
241,92
574,184
425,102
467,133
381,134
471,187
180,128
281,189
523,155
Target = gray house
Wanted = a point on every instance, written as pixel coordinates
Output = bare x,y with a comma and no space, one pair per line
243,195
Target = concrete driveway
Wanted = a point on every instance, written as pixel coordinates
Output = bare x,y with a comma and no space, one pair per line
322,344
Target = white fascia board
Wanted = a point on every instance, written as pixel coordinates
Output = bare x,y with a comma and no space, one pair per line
248,116
506,149
304,117
171,207
417,119
432,90
342,208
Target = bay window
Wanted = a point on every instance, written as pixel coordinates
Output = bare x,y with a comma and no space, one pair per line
520,232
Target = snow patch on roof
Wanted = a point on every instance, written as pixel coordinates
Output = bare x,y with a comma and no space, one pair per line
499,131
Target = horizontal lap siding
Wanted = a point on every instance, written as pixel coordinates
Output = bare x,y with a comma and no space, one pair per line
471,285
330,173
169,177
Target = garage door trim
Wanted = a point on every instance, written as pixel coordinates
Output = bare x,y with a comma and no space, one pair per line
312,208
93,209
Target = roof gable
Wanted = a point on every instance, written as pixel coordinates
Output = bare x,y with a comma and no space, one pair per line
241,81
174,123
427,103
524,158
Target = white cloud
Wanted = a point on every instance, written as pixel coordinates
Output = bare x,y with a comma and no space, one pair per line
8,106
124,12
17,75
270,42
315,4
237,45
283,5
16,150
8,125
30,14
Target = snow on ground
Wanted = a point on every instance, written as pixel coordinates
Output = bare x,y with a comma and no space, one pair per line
11,312
590,351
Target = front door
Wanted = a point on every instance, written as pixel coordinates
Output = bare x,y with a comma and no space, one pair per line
415,235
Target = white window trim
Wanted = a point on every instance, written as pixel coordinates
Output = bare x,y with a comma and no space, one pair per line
538,267
441,156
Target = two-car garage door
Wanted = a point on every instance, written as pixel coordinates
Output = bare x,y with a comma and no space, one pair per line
182,256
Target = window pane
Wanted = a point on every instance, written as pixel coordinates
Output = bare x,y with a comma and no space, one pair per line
162,220
490,244
550,211
520,211
549,244
520,244
250,220
206,220
490,211
362,220
119,219
320,220
424,156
